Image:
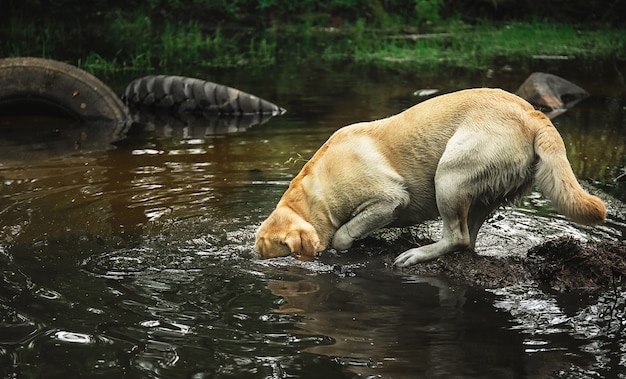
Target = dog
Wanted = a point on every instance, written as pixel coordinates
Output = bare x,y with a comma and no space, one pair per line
457,156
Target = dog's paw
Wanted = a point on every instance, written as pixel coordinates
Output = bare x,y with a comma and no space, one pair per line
342,241
413,256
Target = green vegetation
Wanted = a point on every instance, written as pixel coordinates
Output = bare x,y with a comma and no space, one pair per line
402,34
479,46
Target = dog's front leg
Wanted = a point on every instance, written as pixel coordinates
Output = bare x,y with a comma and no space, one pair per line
368,217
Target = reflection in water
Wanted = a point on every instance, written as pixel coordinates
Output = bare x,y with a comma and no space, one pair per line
373,318
38,138
72,337
135,260
596,325
187,126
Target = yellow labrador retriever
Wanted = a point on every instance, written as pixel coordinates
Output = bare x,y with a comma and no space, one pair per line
458,156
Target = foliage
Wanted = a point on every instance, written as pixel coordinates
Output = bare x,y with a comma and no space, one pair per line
174,34
264,13
428,10
479,46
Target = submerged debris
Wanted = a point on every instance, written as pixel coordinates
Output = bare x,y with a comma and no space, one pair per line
182,94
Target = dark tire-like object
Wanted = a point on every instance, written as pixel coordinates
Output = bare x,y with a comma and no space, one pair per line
36,86
183,94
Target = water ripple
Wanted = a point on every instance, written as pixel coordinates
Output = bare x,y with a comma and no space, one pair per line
73,337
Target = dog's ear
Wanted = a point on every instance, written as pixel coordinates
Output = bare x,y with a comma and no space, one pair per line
271,247
304,242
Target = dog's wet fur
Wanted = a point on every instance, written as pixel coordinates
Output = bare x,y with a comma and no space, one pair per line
457,156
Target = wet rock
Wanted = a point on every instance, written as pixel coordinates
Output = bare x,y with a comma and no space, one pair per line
551,94
567,264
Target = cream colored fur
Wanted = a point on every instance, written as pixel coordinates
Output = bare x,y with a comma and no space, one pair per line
458,156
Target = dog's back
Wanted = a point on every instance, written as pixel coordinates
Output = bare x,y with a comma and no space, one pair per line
499,144
479,134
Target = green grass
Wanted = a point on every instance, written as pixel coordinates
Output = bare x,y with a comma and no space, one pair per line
134,43
479,46
522,40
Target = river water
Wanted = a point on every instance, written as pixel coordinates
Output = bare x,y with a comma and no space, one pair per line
134,259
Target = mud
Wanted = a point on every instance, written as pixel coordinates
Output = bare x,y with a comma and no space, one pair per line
562,265
567,264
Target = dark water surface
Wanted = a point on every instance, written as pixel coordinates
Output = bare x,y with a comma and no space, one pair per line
136,259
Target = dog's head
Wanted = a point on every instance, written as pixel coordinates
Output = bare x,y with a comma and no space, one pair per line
284,232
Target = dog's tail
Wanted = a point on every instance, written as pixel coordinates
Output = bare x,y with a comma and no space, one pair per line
555,178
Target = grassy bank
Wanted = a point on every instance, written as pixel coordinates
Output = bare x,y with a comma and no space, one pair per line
138,45
481,46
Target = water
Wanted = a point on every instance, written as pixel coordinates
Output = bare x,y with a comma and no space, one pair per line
135,259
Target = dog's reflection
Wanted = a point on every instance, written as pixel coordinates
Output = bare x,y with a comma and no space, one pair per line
411,327
371,329
294,292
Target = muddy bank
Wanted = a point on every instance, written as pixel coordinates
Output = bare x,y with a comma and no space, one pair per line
563,264
517,246
568,264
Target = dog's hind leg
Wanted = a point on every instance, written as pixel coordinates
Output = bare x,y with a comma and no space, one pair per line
478,213
456,191
454,203
482,165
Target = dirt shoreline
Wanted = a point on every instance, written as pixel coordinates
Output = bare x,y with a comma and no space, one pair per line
561,265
